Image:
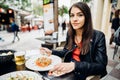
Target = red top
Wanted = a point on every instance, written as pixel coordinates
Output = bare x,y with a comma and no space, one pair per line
76,53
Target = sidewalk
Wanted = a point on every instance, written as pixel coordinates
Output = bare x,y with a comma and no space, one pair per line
28,41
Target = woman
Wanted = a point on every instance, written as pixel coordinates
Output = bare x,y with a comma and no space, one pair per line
115,25
85,49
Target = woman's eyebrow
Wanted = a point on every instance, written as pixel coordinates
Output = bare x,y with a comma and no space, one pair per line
77,13
80,12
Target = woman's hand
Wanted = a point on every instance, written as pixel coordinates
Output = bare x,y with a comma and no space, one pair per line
62,68
45,51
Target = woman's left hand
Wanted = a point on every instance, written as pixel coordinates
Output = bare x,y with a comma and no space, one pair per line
63,68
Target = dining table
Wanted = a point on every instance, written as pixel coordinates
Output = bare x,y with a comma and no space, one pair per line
52,40
12,67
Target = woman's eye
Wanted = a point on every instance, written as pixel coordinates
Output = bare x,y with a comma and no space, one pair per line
80,15
71,15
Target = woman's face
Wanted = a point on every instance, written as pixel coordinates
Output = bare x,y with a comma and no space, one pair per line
77,18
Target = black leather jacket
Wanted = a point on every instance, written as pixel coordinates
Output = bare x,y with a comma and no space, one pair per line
94,62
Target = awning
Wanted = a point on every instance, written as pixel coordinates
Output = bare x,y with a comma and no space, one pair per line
29,17
39,18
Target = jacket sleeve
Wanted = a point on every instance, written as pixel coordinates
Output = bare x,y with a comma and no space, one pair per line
99,56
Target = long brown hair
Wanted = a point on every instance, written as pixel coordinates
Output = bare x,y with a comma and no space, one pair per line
87,28
117,13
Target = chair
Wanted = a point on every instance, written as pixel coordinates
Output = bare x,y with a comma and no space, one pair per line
93,77
115,50
117,41
61,46
47,45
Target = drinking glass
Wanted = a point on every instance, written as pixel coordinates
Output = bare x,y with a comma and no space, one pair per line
19,57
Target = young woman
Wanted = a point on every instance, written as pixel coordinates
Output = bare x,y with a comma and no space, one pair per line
115,25
85,50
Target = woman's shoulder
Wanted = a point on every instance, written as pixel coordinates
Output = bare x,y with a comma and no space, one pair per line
98,34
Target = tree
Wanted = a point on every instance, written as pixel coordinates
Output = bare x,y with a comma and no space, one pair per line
86,1
38,10
25,3
2,5
62,10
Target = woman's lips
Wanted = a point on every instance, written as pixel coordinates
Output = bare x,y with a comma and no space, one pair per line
75,24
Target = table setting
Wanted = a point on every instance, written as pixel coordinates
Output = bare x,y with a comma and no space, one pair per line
31,65
6,55
21,75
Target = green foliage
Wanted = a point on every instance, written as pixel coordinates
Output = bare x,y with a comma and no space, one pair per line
86,0
46,1
4,6
38,10
62,10
25,4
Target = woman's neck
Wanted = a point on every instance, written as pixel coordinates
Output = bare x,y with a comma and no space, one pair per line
78,36
79,33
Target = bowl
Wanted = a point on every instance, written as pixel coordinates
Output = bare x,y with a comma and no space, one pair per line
6,56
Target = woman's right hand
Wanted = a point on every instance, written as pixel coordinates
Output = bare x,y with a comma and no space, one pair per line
45,51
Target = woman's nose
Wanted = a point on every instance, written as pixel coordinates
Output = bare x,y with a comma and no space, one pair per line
75,18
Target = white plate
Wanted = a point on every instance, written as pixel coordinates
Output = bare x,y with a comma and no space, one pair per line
28,74
30,63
